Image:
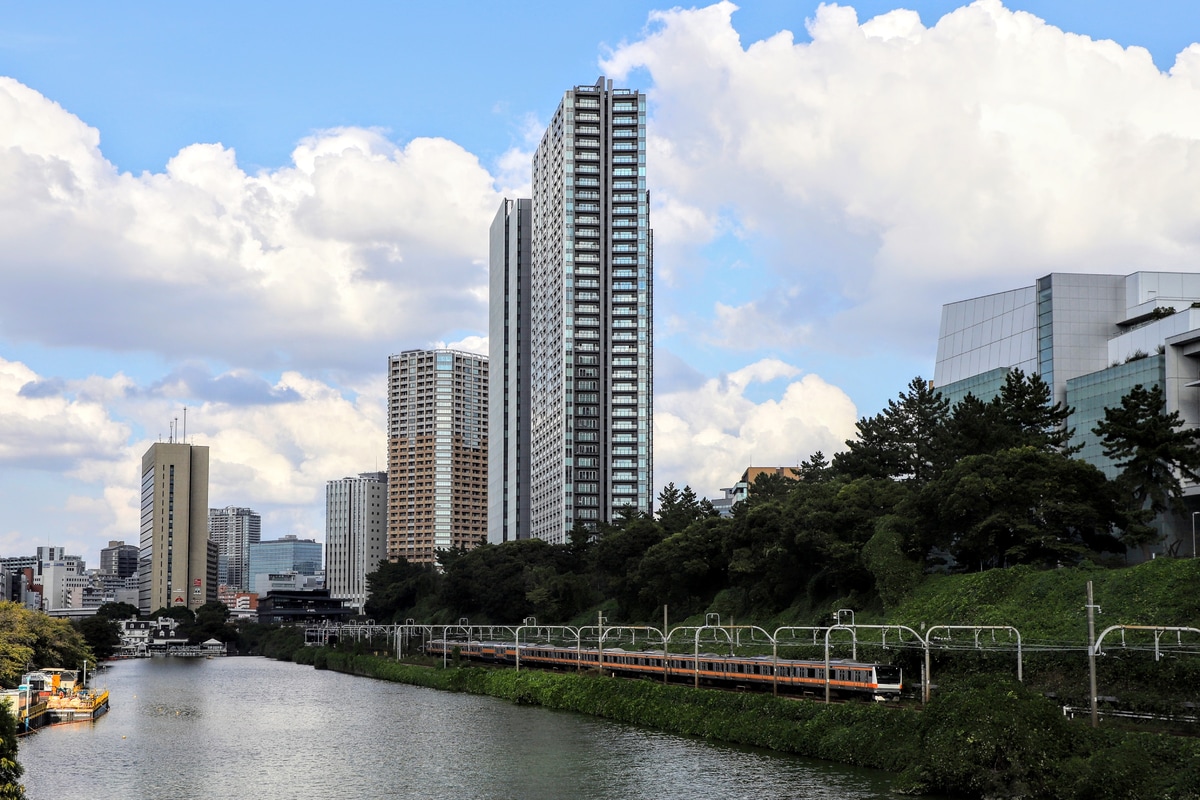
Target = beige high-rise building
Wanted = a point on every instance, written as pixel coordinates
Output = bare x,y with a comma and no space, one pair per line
437,483
173,563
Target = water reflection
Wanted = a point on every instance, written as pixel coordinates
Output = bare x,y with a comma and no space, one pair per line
249,727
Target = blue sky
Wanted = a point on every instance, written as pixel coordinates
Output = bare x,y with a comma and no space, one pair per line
816,201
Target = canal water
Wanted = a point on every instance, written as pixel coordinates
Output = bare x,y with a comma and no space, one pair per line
255,728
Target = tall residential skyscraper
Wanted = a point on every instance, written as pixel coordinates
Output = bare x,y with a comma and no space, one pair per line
234,529
173,568
437,452
508,386
355,534
589,326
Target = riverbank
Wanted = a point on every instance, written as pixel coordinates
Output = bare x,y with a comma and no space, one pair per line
989,737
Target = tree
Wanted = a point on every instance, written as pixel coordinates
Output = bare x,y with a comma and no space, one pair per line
117,611
30,639
102,634
211,623
816,468
1021,415
1153,452
683,571
1020,506
903,441
677,509
895,574
10,770
395,588
1027,416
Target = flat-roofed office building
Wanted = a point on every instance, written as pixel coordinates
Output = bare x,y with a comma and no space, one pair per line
173,563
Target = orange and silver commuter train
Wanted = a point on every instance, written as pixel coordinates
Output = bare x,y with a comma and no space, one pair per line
790,675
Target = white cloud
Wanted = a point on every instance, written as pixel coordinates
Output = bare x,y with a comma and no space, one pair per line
358,245
908,166
705,437
42,428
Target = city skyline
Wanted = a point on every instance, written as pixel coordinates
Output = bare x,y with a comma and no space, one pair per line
248,236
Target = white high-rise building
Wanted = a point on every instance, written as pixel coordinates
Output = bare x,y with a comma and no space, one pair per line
355,534
234,529
588,329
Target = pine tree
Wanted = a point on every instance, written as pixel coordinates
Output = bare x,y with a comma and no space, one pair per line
903,442
1153,451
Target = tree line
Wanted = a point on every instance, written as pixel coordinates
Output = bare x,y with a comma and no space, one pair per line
923,486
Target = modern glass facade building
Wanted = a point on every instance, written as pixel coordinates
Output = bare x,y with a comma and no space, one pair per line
437,453
234,529
1092,338
355,534
289,554
589,324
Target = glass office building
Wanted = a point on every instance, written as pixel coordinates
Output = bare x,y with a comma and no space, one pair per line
1092,338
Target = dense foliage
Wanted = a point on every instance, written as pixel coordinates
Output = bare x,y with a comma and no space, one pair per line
31,640
10,770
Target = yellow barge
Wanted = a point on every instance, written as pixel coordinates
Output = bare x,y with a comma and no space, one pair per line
53,695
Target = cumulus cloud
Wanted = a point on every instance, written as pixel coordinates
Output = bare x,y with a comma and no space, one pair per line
42,428
358,244
906,165
706,436
238,387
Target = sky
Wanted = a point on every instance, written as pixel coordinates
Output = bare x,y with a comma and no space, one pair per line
243,209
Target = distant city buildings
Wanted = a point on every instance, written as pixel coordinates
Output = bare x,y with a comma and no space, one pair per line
174,562
571,325
289,554
355,534
1091,338
234,530
437,453
119,559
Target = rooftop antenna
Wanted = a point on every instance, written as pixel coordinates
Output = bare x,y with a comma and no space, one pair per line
184,425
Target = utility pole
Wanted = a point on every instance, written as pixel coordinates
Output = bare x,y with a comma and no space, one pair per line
1091,612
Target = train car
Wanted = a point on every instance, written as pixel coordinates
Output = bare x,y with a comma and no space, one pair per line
790,675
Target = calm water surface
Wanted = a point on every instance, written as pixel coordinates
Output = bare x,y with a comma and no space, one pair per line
254,728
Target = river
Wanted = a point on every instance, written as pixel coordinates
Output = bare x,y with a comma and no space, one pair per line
255,728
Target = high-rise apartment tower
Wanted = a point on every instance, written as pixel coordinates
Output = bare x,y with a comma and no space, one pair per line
173,564
234,529
355,534
508,386
437,452
589,325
